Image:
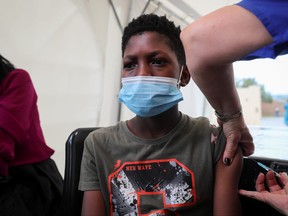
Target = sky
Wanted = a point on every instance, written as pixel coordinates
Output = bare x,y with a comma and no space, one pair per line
272,73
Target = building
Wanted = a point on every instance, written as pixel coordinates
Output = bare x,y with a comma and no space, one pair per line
250,98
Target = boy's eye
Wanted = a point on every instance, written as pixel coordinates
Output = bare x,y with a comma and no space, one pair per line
157,61
129,66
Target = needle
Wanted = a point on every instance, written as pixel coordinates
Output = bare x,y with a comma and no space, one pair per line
268,168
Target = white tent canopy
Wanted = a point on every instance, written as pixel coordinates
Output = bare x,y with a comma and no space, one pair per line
71,48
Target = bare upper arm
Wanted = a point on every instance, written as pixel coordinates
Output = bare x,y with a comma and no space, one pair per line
93,204
226,198
223,36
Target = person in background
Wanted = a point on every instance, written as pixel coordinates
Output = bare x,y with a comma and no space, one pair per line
286,112
276,111
160,162
277,196
248,30
30,182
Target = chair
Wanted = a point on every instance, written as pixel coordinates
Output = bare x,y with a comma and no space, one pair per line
72,197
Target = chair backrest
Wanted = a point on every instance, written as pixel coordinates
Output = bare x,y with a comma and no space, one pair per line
72,197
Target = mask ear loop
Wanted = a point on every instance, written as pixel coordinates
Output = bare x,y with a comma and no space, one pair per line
179,78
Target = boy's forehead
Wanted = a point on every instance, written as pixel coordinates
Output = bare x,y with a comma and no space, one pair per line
148,39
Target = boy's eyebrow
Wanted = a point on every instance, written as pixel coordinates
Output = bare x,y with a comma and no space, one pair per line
150,55
129,57
160,53
157,52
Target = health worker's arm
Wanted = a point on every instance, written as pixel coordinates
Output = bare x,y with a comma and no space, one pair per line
212,43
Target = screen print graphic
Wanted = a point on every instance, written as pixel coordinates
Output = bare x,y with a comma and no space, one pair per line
151,188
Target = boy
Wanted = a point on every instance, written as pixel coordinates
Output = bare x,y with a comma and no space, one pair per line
161,162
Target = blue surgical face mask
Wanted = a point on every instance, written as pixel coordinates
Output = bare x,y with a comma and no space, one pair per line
148,96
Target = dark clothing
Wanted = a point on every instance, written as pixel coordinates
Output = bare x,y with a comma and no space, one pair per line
33,190
21,138
30,183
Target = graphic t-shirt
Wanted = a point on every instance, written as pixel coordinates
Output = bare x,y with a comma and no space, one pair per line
171,175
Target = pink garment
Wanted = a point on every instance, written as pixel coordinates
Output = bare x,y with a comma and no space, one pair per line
21,137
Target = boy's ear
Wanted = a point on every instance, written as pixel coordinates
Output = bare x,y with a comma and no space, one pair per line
185,78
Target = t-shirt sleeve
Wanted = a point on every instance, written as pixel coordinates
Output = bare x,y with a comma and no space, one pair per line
218,142
89,179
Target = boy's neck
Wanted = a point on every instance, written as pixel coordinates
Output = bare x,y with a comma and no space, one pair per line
156,126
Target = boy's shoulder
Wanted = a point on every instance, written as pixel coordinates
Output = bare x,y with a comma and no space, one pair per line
202,122
108,130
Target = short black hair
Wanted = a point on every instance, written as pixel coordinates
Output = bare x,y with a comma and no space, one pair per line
160,24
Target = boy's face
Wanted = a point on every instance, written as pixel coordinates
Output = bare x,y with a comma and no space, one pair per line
149,54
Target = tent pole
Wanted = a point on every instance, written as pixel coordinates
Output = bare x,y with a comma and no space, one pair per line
116,15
